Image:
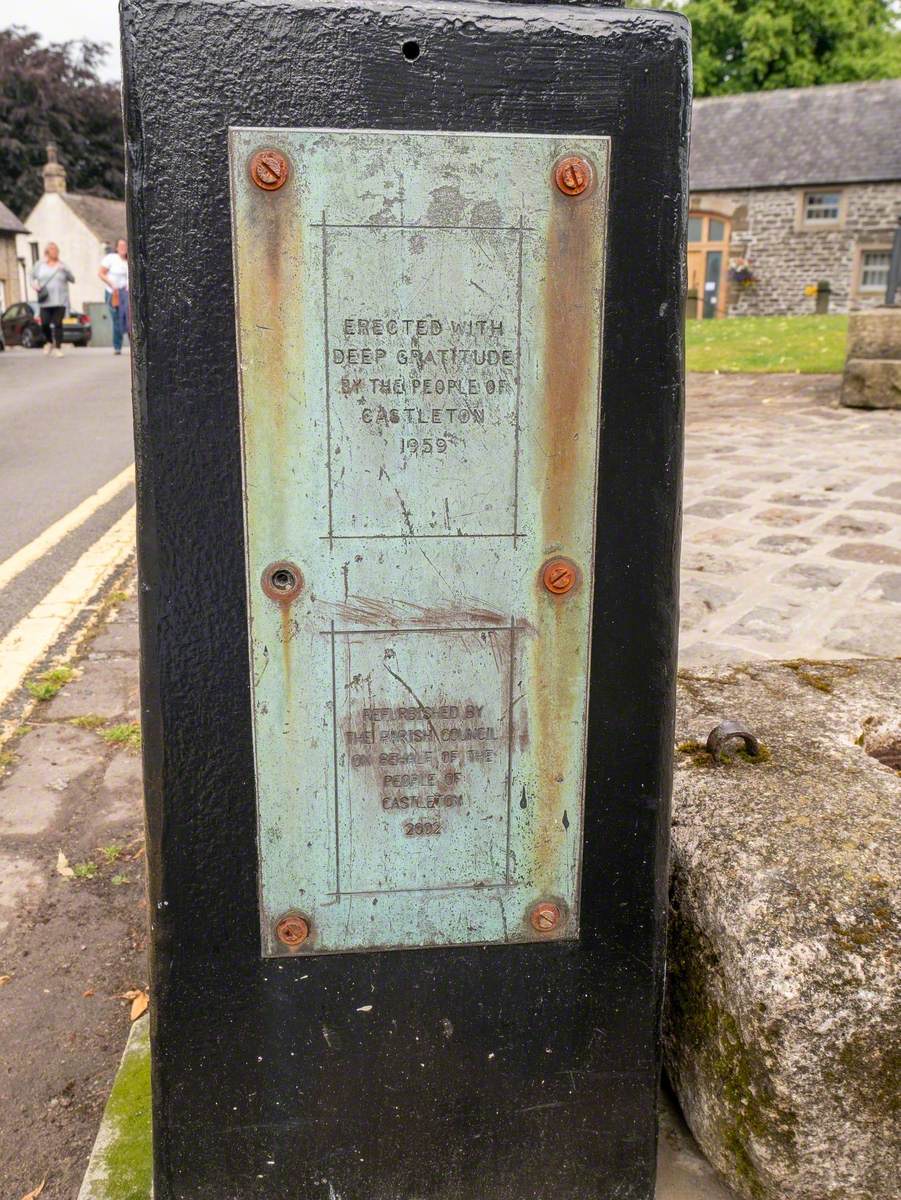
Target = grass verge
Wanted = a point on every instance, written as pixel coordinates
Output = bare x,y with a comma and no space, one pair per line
806,345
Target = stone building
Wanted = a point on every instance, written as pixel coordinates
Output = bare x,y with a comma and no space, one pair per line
790,189
84,227
10,268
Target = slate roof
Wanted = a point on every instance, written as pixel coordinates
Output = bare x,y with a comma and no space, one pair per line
105,218
838,133
9,222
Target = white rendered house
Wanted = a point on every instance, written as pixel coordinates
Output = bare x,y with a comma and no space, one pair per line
84,227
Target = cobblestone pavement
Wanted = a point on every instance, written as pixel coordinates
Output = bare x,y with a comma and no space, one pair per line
792,522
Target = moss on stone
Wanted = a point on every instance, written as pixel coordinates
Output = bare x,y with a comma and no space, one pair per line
706,1034
693,681
811,673
763,755
123,1157
697,754
870,1073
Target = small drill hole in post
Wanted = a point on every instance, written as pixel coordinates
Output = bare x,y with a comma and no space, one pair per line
410,51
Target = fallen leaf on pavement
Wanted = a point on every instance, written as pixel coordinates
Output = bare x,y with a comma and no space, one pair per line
37,1191
139,1001
139,1005
4,979
89,992
62,868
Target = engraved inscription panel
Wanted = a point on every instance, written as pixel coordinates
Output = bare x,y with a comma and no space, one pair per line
431,393
435,770
419,326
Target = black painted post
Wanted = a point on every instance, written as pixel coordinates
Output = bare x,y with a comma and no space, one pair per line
475,1067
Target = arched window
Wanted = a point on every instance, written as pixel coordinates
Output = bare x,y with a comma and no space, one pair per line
708,264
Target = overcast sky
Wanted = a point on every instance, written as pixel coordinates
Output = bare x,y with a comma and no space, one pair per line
63,20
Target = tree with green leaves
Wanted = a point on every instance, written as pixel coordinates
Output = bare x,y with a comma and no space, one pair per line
754,45
54,94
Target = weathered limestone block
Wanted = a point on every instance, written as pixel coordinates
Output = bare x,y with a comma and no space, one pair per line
875,333
872,383
784,992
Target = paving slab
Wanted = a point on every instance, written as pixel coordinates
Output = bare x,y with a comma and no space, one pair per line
21,879
122,789
776,470
49,760
108,687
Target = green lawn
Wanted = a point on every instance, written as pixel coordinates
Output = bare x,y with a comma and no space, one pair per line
809,345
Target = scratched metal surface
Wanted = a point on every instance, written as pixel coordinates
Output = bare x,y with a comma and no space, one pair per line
419,709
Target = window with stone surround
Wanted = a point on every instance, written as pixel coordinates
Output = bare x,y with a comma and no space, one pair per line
873,270
821,208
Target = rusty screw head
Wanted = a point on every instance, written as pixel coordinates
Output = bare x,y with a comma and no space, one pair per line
573,175
269,170
545,917
292,930
282,581
559,576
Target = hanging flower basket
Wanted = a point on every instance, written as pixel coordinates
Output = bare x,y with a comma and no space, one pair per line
741,274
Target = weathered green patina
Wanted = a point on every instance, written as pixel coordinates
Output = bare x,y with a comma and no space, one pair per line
420,325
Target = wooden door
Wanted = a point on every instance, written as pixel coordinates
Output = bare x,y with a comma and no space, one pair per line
695,301
708,265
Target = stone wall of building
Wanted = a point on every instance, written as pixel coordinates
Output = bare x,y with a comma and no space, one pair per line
786,258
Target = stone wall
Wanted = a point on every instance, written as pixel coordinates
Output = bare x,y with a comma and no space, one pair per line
786,258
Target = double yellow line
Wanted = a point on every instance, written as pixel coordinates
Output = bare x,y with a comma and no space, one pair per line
29,640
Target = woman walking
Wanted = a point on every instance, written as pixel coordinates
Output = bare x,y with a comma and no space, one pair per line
114,273
51,279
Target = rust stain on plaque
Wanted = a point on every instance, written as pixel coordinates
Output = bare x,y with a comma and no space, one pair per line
277,311
568,411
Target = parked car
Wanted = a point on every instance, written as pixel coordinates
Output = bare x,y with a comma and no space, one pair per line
21,326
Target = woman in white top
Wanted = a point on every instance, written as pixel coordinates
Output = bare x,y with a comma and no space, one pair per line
114,273
51,279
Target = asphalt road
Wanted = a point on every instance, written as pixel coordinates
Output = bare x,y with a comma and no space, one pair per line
65,431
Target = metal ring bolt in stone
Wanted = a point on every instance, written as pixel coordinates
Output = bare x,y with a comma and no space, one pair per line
725,732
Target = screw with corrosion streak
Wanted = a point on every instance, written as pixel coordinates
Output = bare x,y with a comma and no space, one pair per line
573,175
545,917
269,170
292,930
559,576
282,581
